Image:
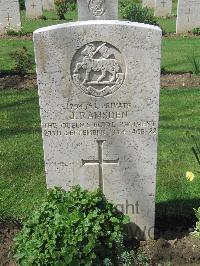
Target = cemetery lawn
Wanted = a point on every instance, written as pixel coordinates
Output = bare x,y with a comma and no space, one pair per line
11,45
176,52
22,178
49,18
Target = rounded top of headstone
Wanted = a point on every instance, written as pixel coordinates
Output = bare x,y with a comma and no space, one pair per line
90,23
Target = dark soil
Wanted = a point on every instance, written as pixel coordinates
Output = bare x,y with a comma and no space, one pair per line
186,80
7,231
178,251
174,35
16,81
28,36
182,250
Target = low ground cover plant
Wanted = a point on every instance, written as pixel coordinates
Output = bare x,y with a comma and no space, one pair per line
196,31
195,63
197,228
62,7
22,4
13,32
77,227
23,60
136,13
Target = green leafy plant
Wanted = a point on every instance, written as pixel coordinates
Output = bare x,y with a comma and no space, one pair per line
196,233
62,6
196,31
13,32
22,4
23,60
71,228
134,12
125,3
43,17
195,63
127,257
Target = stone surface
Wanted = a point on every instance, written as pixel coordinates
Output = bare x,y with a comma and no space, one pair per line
48,4
99,85
97,9
188,15
33,8
9,15
163,8
148,3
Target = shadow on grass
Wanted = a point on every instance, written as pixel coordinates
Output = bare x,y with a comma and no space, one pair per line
175,216
20,102
5,132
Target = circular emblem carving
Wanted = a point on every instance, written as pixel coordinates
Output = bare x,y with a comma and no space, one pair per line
97,7
98,69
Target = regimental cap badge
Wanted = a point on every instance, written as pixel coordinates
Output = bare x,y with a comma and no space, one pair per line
96,7
98,69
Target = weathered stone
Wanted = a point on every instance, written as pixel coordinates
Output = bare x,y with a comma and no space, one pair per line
33,8
9,15
99,88
163,8
148,3
48,5
97,9
188,16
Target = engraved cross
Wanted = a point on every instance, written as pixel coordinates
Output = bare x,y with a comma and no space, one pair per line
33,5
163,2
100,162
8,18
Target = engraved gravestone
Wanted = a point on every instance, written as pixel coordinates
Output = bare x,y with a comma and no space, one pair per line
48,5
163,8
188,16
99,85
9,15
97,9
148,3
33,8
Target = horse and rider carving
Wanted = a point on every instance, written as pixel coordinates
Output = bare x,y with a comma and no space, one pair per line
105,65
97,7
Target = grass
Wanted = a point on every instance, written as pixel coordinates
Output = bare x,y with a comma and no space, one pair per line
179,114
168,24
175,53
22,178
175,50
52,19
8,46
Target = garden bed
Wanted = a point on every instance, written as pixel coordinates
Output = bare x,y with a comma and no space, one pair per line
184,80
181,250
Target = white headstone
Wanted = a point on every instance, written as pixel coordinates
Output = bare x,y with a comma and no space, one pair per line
99,85
48,5
97,9
163,8
33,9
188,15
148,3
9,15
